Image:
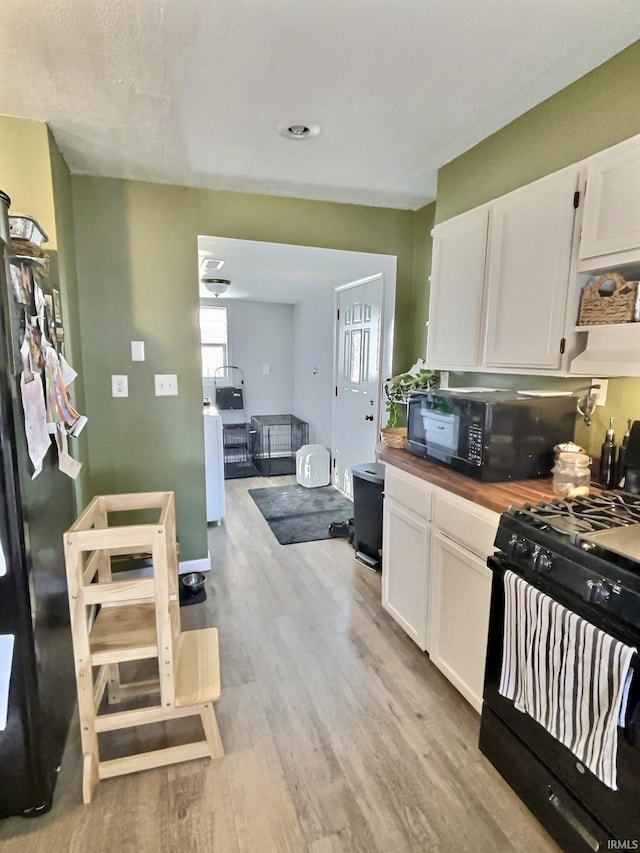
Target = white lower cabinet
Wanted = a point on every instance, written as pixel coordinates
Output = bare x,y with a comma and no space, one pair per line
406,549
459,616
435,581
460,591
406,545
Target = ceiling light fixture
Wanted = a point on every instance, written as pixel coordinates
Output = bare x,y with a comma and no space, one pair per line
298,130
215,286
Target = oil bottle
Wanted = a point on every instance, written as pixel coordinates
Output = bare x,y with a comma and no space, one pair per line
608,458
622,457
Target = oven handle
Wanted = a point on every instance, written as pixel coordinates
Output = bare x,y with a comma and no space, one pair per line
499,563
567,815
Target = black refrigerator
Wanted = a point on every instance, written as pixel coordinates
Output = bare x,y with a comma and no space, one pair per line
34,610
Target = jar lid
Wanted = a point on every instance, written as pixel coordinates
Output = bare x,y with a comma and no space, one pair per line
568,447
574,458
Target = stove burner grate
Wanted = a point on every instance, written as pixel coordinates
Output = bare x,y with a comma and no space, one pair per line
581,515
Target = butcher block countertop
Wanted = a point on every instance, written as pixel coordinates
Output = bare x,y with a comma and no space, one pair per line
495,496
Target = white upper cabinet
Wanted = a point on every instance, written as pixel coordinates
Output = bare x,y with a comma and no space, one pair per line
528,274
500,279
612,202
507,277
457,281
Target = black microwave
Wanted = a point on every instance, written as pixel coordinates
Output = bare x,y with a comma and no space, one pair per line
490,435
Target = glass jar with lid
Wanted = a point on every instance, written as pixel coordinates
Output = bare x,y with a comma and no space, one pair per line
571,475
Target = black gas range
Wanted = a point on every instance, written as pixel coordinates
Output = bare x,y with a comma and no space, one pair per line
584,554
588,548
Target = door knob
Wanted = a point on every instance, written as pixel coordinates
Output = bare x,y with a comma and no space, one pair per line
368,417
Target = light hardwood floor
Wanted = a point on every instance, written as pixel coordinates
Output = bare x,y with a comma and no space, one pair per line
339,734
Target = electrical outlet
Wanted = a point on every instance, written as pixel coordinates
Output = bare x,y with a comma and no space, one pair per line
166,384
266,370
601,392
119,386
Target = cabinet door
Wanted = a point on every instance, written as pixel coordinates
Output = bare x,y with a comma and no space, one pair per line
528,273
408,491
405,566
459,616
457,278
611,220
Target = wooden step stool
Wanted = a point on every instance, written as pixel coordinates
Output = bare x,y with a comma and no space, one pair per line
137,618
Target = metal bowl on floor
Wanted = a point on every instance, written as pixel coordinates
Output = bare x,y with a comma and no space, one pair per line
193,582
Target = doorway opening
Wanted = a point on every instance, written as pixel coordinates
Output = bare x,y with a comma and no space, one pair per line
282,330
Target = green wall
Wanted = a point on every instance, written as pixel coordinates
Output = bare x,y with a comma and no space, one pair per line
25,171
64,260
423,223
138,280
593,113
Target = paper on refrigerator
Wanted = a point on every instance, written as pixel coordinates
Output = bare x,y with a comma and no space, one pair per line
6,661
35,422
66,463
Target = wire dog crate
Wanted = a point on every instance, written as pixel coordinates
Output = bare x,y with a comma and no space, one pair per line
275,440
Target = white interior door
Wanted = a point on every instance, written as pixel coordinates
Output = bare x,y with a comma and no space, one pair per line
357,404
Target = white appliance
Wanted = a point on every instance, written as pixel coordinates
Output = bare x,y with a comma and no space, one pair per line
213,464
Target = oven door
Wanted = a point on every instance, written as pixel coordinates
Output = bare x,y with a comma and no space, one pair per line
578,796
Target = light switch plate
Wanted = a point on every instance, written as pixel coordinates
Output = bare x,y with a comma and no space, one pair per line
119,386
137,350
166,384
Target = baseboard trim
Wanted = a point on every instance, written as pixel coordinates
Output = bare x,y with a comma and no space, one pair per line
203,564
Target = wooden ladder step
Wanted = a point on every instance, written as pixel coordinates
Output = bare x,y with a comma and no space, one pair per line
197,667
152,759
124,633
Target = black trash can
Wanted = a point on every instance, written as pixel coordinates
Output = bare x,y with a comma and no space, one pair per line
368,486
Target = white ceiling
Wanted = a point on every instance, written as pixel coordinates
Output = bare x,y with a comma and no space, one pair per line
191,92
276,272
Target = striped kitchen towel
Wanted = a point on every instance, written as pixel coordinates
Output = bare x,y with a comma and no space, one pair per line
568,675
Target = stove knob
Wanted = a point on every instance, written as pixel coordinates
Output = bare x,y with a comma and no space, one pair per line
598,592
518,548
542,561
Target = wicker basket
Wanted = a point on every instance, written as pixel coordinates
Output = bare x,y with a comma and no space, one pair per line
600,306
394,436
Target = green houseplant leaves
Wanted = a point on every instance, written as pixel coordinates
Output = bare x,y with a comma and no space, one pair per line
397,389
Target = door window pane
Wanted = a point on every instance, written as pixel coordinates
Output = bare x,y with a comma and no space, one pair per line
356,355
346,355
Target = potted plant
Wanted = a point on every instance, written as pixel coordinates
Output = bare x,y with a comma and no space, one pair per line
397,389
